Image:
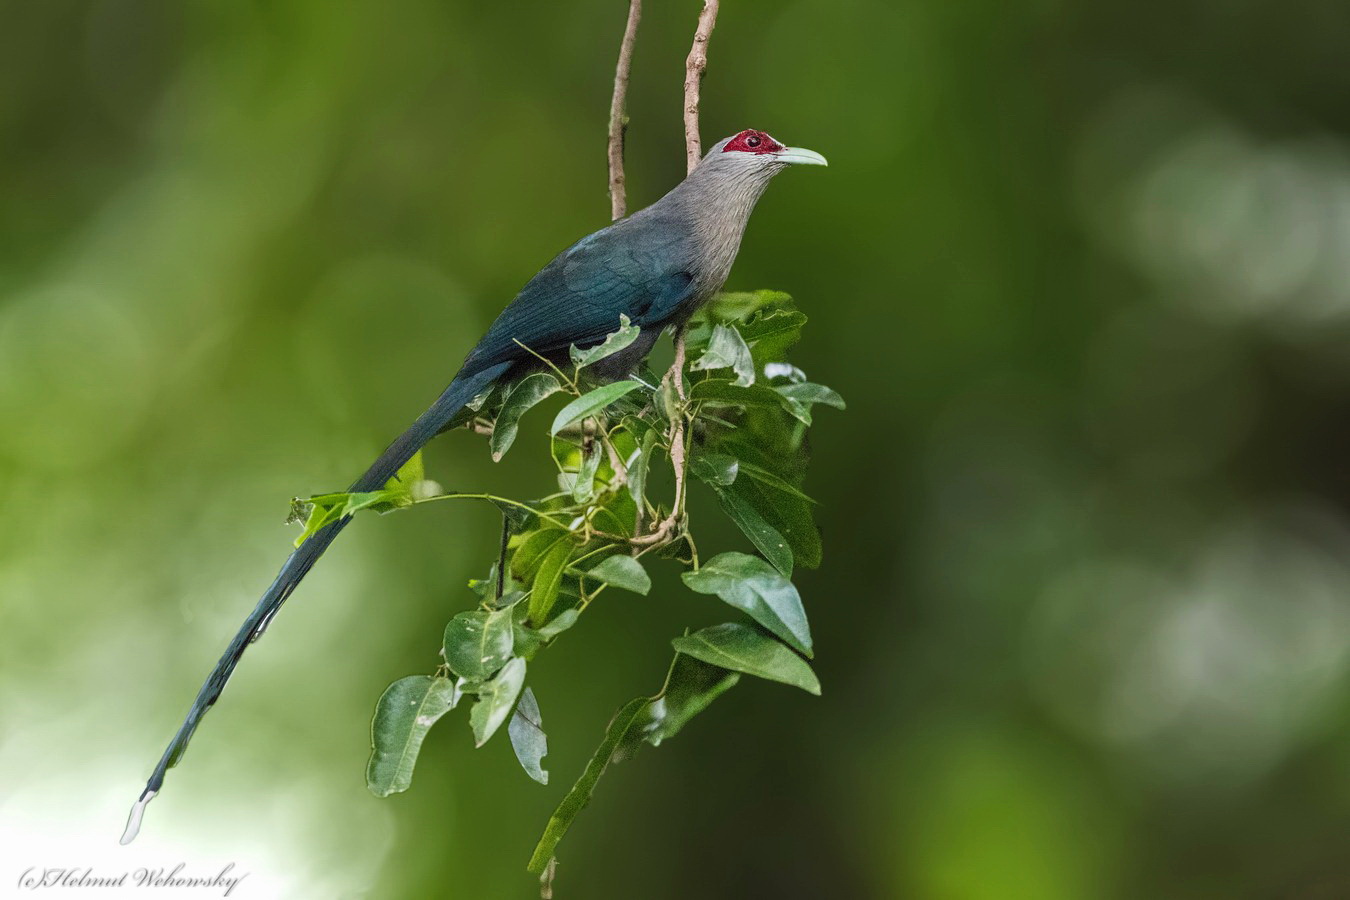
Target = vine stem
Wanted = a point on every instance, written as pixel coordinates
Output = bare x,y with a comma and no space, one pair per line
493,498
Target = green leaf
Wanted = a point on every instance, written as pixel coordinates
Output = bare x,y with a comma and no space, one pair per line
612,344
531,549
752,585
764,476
592,402
580,794
324,509
561,622
715,468
727,350
528,393
583,486
639,466
527,736
405,712
735,305
384,500
787,515
667,400
743,648
808,393
528,640
622,572
726,393
692,686
547,579
314,514
767,539
478,643
495,700
771,332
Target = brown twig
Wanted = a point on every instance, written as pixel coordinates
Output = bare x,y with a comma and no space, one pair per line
693,77
618,121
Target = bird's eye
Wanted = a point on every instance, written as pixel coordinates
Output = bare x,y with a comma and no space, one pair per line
752,141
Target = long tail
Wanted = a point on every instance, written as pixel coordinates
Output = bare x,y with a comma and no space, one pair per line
442,412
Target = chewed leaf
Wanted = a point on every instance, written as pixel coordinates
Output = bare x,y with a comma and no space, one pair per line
742,648
527,737
406,711
727,350
612,344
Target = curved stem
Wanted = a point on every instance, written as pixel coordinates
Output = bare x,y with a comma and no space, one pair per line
493,498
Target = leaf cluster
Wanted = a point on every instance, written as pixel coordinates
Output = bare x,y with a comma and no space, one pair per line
738,429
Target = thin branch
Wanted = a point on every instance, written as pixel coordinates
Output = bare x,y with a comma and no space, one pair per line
618,121
501,557
693,77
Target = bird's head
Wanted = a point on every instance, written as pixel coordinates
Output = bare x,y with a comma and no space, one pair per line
756,151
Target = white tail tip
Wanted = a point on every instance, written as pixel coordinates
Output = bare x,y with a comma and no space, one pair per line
134,819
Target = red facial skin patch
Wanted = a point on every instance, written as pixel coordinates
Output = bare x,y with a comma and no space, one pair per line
752,141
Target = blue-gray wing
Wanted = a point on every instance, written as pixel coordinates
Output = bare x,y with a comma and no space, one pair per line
641,269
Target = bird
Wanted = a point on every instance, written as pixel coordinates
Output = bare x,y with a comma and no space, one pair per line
656,267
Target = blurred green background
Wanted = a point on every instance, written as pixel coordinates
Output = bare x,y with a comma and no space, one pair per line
1082,272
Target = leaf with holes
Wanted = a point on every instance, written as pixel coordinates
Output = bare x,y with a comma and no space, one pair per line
727,350
612,344
527,736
